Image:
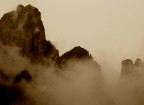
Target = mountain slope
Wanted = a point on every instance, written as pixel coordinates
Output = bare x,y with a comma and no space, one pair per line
23,28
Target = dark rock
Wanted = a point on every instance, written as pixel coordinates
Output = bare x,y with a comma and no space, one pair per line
76,54
11,93
24,75
23,28
14,95
8,95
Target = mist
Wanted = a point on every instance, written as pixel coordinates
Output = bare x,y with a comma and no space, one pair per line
78,83
27,79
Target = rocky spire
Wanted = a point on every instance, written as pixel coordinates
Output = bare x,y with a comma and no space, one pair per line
129,68
23,28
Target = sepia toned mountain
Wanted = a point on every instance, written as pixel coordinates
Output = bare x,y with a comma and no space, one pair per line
23,28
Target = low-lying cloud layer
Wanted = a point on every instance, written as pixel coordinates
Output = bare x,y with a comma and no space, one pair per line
74,78
79,83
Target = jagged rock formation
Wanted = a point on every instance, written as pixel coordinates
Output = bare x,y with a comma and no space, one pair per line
76,54
23,28
24,75
129,68
11,92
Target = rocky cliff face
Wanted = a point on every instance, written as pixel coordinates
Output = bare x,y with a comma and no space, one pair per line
23,28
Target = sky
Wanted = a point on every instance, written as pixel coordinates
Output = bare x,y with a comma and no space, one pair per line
112,30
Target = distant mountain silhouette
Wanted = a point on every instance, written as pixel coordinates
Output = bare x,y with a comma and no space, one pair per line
131,69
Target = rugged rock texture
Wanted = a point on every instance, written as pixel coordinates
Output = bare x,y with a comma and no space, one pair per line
76,54
11,93
24,28
130,69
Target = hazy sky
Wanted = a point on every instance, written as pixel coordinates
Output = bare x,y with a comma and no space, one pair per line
111,30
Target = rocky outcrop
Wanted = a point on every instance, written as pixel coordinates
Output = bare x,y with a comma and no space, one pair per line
24,75
127,67
11,92
130,69
76,54
23,28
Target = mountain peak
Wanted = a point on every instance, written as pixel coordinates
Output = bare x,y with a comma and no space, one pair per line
130,68
23,28
77,54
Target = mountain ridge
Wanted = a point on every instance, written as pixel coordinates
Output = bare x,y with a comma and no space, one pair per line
24,28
